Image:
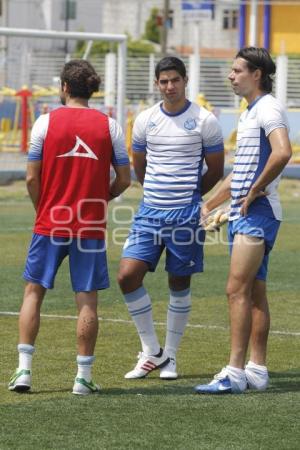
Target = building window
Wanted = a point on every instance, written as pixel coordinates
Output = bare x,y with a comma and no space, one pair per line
230,19
68,10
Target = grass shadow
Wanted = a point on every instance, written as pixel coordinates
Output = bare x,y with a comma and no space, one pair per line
49,391
282,382
149,391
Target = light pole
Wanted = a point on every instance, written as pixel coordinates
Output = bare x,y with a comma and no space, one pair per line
165,24
67,11
253,24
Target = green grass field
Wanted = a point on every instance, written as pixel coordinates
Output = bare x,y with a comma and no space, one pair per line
150,413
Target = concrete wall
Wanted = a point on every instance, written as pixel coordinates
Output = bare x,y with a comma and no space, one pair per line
285,28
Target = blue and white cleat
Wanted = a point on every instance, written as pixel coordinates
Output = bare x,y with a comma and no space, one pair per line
216,386
223,384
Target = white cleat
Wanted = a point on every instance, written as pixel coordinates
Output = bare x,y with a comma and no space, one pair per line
168,372
147,364
20,381
83,387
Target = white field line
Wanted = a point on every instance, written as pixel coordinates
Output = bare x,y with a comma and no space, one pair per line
129,322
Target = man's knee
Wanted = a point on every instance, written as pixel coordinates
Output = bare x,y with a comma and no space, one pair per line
34,294
237,289
179,283
129,278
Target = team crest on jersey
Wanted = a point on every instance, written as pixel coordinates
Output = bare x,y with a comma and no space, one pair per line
74,151
190,124
151,125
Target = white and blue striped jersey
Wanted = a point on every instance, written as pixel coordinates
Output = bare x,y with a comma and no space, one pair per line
261,117
175,146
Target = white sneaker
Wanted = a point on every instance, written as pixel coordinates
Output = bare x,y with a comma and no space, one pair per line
20,381
146,364
257,377
83,387
168,372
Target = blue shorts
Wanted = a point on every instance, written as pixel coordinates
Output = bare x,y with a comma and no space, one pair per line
182,238
87,262
257,226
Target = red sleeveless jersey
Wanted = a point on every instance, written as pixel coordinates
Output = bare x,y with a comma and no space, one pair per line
75,174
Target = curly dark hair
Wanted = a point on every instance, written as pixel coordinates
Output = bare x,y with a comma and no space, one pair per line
80,78
259,58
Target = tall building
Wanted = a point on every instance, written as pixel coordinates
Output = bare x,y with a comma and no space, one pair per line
217,31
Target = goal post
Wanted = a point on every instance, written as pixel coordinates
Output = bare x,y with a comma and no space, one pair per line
120,39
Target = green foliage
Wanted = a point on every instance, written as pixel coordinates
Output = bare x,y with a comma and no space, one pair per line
139,47
98,48
134,47
152,32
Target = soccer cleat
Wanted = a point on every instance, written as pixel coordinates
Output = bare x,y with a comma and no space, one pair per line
20,381
83,387
168,372
222,384
147,364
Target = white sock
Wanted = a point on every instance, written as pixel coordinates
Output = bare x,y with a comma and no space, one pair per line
84,364
139,307
25,356
237,378
177,318
257,376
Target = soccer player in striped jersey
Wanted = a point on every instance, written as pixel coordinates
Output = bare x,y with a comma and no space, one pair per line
263,150
171,142
68,179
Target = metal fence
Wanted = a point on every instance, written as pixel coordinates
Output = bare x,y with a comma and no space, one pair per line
293,85
42,68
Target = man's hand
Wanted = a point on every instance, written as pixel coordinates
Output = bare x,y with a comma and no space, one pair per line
246,201
204,212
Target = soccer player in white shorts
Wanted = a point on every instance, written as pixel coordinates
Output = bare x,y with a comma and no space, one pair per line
263,150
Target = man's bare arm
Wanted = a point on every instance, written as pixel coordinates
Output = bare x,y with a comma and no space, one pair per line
139,165
215,171
33,181
220,196
120,182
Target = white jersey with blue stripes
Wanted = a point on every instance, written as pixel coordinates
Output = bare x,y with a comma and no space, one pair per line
175,146
261,117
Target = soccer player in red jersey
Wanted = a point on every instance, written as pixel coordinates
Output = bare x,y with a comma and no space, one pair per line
68,179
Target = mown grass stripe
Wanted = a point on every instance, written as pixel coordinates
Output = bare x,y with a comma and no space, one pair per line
189,325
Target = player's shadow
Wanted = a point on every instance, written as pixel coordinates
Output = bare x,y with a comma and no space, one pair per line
47,391
282,382
149,391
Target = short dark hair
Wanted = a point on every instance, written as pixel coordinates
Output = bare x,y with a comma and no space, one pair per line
170,63
259,58
81,78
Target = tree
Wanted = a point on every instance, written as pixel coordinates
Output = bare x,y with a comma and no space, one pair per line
152,32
